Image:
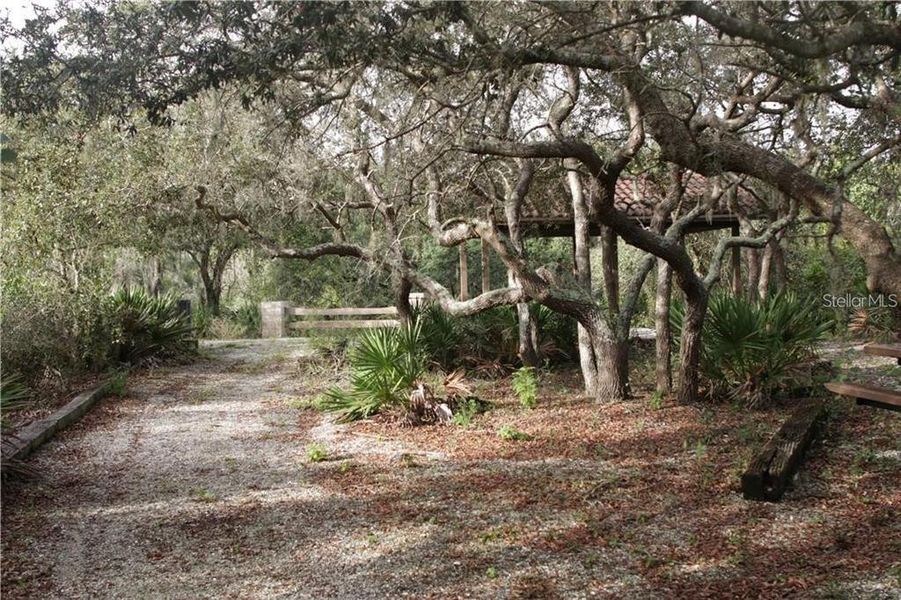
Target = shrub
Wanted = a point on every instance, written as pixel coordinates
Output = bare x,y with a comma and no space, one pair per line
441,335
749,350
144,326
525,386
223,328
385,364
118,384
246,316
490,340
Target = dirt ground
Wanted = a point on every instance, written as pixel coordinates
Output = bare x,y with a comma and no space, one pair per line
198,483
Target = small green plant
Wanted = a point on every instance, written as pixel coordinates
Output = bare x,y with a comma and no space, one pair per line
316,452
525,386
491,573
656,400
204,495
118,384
511,434
465,412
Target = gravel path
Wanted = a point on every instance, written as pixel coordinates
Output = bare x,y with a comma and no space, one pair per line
193,485
197,485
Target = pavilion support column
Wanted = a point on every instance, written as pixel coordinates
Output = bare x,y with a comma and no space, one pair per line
737,287
486,269
464,272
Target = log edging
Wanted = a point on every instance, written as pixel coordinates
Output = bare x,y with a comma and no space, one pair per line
770,472
31,437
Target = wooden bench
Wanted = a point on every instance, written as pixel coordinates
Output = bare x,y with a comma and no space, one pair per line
772,469
871,395
343,318
889,350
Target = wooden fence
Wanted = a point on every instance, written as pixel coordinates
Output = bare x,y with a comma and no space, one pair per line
279,317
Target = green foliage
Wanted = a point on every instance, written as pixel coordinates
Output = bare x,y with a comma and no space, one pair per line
143,326
490,338
525,386
511,434
466,411
118,384
656,400
316,452
441,335
14,395
246,315
749,350
385,364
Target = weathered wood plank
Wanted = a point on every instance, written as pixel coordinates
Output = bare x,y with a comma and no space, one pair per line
865,393
772,469
890,350
355,324
299,311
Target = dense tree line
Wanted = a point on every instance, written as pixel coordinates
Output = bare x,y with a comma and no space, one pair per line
448,117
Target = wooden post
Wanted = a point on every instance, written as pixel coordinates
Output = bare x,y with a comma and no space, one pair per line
464,272
486,269
736,265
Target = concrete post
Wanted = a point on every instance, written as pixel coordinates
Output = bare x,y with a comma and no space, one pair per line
416,299
274,319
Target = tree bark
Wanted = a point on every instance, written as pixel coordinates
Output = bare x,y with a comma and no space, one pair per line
582,272
155,278
766,263
753,255
663,342
780,275
612,364
690,345
464,272
737,287
486,268
402,287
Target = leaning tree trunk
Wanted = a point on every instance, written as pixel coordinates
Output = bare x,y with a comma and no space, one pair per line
664,372
690,344
582,271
